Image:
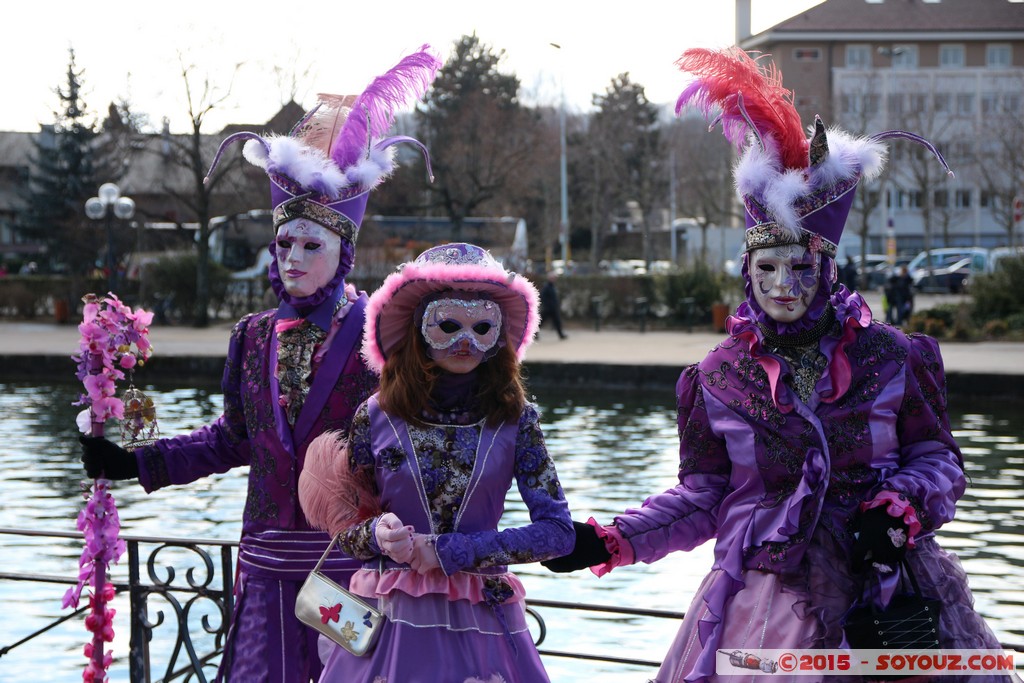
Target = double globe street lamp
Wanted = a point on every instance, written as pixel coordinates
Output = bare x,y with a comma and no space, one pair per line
109,204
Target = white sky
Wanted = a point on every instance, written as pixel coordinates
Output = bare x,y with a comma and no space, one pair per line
131,50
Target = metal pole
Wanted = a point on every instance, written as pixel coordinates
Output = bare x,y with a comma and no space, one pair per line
564,227
111,275
672,204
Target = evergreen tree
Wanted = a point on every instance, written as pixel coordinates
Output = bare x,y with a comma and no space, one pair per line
63,177
481,140
626,139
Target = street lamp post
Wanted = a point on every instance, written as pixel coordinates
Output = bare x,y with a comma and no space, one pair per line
563,227
109,204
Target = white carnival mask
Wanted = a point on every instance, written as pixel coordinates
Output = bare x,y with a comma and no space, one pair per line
446,322
784,280
307,256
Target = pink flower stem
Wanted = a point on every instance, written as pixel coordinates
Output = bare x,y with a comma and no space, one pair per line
99,576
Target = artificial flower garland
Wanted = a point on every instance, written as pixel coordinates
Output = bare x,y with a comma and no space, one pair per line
113,339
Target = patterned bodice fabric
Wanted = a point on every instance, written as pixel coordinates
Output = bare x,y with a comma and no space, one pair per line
456,487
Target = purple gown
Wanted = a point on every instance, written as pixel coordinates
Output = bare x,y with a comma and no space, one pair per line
266,643
465,621
777,452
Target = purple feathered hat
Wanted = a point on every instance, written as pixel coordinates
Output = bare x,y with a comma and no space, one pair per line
325,168
794,189
448,267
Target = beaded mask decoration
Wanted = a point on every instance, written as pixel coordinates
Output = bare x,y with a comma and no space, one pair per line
447,322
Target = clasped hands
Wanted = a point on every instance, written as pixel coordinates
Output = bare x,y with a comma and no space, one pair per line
402,544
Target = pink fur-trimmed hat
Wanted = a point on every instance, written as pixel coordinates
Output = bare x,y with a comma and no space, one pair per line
448,267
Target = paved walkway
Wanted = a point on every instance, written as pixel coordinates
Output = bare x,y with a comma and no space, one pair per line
584,345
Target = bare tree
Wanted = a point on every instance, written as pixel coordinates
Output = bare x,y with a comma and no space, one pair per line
703,176
192,154
999,160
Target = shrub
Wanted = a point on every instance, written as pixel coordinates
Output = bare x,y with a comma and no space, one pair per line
173,279
934,327
995,328
999,294
1015,322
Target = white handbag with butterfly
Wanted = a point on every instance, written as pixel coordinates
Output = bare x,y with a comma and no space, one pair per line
335,612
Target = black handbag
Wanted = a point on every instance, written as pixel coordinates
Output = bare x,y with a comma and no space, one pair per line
910,622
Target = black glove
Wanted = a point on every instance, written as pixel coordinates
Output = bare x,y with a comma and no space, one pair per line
588,551
881,539
103,458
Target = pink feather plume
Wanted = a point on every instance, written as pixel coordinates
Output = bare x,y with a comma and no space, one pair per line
322,126
373,112
732,81
332,497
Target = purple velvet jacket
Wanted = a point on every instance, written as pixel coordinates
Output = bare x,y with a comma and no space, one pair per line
253,431
761,470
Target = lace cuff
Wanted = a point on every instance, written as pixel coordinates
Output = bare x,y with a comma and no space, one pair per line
620,549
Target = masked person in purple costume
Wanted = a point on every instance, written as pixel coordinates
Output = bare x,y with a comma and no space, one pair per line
436,450
815,446
291,373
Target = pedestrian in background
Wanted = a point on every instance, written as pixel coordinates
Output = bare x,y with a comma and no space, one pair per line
551,306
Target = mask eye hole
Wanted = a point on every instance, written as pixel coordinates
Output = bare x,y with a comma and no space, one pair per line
482,328
449,326
801,266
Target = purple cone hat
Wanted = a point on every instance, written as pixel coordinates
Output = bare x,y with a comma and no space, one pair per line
795,189
324,169
448,267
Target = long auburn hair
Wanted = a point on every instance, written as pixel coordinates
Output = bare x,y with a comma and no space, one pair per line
410,375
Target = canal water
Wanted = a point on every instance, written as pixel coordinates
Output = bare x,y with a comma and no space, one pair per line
611,450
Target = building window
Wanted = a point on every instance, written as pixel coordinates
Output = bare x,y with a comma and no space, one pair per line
998,56
904,56
940,102
914,199
965,104
951,56
858,56
918,103
806,54
941,199
805,102
989,103
896,104
963,199
987,199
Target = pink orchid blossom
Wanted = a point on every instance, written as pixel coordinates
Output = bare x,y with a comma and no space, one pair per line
113,339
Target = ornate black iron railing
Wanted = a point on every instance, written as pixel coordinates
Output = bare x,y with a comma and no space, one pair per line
181,600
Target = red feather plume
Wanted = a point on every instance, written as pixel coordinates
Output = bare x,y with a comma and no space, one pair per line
730,79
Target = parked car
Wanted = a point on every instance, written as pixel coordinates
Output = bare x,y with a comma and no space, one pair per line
950,266
996,259
873,272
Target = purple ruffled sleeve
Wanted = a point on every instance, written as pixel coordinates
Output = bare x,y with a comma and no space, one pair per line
930,473
215,448
549,533
686,515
